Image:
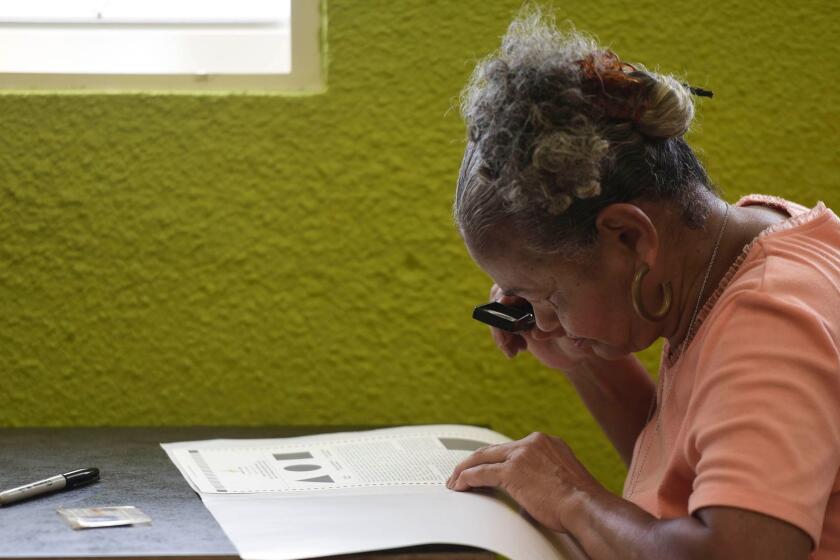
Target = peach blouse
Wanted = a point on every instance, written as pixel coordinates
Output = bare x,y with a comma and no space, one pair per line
751,413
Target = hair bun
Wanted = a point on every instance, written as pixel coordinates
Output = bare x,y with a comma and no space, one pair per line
669,107
659,105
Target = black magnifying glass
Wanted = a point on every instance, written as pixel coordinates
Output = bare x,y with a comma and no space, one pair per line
506,317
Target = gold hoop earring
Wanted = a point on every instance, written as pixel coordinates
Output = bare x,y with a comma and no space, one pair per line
636,294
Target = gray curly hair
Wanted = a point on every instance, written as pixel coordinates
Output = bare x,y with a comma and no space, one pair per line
559,128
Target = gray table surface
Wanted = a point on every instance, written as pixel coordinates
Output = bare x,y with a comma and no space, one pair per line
135,471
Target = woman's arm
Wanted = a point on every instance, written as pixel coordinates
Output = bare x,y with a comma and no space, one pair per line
607,526
543,476
619,395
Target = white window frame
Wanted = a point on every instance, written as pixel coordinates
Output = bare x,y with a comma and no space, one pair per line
306,75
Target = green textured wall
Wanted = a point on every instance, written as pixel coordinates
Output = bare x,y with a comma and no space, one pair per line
291,260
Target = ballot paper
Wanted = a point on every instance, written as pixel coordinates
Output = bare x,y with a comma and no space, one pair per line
342,493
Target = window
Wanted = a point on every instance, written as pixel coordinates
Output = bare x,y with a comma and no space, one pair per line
190,45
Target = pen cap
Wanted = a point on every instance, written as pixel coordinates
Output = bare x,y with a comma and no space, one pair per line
81,476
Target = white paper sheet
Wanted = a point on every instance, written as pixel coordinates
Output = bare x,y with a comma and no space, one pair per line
407,456
296,498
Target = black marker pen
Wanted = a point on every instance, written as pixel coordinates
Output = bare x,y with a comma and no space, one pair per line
64,481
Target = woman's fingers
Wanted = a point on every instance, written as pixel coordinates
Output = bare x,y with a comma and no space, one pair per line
515,301
490,475
509,343
517,344
495,292
539,472
490,454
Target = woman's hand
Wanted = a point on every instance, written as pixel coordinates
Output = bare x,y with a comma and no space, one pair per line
540,472
554,348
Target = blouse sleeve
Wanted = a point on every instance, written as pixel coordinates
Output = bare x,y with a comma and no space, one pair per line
764,418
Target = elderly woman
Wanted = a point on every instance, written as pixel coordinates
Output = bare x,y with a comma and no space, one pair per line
579,194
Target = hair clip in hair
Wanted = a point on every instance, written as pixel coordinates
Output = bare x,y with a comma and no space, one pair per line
699,92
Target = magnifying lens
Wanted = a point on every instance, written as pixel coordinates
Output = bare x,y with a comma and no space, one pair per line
506,317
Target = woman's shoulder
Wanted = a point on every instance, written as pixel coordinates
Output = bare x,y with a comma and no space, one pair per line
780,312
772,201
815,221
800,253
790,271
791,268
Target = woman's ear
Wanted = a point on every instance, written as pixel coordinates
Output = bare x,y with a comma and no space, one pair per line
626,231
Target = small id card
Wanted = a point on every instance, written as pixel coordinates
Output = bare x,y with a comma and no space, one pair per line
111,516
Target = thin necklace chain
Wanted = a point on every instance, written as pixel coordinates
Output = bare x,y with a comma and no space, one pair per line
666,383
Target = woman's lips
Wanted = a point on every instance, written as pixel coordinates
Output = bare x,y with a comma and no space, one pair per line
580,342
